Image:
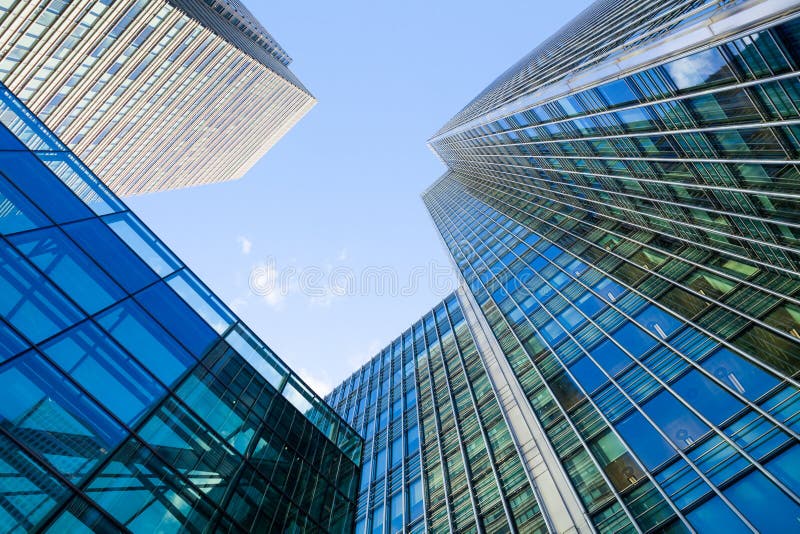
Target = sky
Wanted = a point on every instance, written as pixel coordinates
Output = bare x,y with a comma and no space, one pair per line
324,248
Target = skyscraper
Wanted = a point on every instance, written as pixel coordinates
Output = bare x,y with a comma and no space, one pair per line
131,398
152,94
621,206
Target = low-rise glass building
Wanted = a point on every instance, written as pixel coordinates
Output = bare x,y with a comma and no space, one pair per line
131,398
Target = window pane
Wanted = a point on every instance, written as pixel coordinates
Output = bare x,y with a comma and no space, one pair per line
81,181
17,213
257,354
111,253
69,267
177,317
191,449
677,422
706,397
415,503
80,516
128,323
42,186
201,300
10,343
53,418
764,505
715,516
143,242
29,301
28,491
644,440
141,492
105,371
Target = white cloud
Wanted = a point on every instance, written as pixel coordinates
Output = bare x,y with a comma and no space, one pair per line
343,255
245,244
320,385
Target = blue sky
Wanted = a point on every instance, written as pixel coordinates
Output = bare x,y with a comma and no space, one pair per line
339,195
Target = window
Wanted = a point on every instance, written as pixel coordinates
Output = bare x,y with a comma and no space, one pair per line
675,419
380,464
764,505
652,449
29,302
377,520
397,451
706,397
52,417
415,501
158,352
177,317
69,267
397,512
412,440
715,516
105,371
20,214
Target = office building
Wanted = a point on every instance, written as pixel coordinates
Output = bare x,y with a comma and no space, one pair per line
622,207
152,94
131,398
434,427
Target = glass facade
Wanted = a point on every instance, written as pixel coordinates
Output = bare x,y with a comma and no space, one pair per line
126,83
438,454
131,398
626,226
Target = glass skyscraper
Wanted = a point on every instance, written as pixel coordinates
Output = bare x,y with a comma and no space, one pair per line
622,207
131,398
152,94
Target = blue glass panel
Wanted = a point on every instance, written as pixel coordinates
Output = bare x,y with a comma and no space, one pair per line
552,251
205,303
10,343
713,402
674,419
786,468
634,339
659,322
51,196
552,332
415,502
87,355
257,354
178,318
743,376
589,304
617,93
715,516
81,181
143,242
17,213
764,505
698,69
69,267
652,449
80,517
28,492
53,418
28,301
111,253
588,374
609,289
146,340
143,493
610,357
570,318
9,141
